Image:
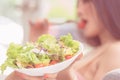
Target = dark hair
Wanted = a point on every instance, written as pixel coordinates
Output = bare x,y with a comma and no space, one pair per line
109,13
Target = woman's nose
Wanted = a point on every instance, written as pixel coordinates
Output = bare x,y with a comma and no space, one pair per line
79,11
79,14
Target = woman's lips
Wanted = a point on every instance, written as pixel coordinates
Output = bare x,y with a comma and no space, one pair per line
82,24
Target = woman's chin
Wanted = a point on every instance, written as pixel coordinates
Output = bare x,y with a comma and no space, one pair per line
88,35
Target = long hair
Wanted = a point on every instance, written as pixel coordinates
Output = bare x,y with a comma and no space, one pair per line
108,12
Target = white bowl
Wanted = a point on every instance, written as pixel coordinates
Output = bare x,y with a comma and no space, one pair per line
51,69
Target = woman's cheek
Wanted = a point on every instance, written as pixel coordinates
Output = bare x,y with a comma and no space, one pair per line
91,31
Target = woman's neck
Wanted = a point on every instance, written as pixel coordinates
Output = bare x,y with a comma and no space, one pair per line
106,37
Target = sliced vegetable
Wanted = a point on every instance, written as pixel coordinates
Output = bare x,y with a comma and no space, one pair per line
39,65
53,62
68,56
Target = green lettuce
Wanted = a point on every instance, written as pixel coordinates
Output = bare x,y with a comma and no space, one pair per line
69,42
52,48
19,53
49,42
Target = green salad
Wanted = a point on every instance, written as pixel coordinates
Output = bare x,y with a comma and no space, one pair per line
47,50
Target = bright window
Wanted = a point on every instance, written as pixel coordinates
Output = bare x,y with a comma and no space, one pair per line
59,9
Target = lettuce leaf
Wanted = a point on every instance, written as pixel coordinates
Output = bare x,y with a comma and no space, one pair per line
8,63
49,43
69,42
52,49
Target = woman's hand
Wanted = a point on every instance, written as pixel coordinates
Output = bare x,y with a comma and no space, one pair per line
38,28
70,73
67,74
20,76
41,25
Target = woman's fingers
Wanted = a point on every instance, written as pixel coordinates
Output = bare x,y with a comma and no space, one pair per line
39,23
33,78
20,76
27,77
51,76
13,76
64,75
68,74
45,77
79,57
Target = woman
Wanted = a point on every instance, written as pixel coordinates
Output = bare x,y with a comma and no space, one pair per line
101,27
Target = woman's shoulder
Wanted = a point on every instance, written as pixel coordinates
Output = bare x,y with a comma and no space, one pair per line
112,55
114,48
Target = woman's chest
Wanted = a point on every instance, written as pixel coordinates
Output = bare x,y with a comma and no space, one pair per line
93,68
89,71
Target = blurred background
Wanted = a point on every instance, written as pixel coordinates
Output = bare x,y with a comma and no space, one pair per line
23,11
